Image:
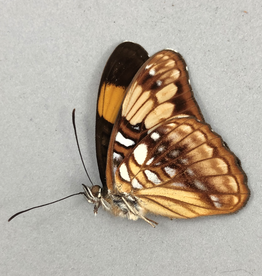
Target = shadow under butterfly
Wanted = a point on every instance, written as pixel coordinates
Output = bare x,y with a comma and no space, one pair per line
155,152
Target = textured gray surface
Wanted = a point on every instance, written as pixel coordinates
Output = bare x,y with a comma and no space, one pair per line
52,54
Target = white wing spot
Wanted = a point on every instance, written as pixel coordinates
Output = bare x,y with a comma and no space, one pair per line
215,200
170,171
161,148
200,185
136,127
117,156
123,172
149,161
174,153
148,66
178,184
158,82
190,172
184,160
152,72
136,184
155,136
140,153
151,176
124,141
217,204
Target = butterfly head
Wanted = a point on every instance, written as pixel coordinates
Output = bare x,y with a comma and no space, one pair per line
93,195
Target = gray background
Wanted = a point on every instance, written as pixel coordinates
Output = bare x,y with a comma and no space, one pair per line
52,55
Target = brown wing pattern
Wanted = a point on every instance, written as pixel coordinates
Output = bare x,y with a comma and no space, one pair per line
182,169
160,90
119,71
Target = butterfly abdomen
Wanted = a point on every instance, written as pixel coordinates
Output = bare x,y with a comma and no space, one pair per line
122,206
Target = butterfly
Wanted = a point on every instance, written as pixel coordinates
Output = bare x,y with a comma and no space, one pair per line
155,152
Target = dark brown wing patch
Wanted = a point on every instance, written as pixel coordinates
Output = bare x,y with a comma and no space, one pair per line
119,71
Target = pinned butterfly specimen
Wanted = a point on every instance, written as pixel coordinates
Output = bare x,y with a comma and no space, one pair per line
156,154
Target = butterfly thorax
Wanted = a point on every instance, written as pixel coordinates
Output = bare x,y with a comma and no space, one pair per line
118,204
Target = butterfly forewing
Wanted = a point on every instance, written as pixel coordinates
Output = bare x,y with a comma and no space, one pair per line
162,86
182,169
160,90
119,71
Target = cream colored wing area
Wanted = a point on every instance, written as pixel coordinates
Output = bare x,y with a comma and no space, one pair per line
160,90
183,169
182,204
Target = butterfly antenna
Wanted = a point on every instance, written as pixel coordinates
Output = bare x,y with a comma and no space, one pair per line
39,206
74,125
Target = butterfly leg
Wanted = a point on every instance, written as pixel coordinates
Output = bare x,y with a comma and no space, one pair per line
96,207
134,211
150,221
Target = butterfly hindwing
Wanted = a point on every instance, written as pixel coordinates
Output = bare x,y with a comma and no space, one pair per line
182,169
119,71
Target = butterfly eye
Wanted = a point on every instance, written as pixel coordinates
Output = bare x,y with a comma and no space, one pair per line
96,191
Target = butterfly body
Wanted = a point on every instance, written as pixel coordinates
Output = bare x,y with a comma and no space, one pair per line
121,205
155,152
